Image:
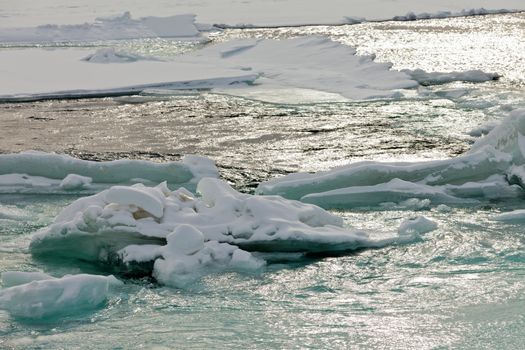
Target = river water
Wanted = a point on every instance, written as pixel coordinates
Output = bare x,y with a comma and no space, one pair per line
460,286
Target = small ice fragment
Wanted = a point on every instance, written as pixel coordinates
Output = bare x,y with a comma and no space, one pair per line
418,226
75,182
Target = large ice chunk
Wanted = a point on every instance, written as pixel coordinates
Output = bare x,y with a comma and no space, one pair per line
176,236
45,296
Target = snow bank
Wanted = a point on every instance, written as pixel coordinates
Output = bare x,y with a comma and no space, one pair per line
36,295
39,172
491,170
306,63
435,78
177,237
106,28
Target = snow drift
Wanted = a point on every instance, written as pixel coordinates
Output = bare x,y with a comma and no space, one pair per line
493,169
39,172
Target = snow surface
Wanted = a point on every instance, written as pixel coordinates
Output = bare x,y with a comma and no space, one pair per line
107,28
482,173
307,63
40,172
188,236
16,13
36,295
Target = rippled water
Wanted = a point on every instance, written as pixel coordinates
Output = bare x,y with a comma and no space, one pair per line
460,286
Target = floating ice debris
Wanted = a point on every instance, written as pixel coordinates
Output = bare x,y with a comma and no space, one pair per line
491,170
436,78
39,172
416,226
107,28
36,295
179,236
512,216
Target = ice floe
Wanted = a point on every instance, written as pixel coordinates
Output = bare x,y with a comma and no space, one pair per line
176,236
491,170
36,295
39,172
312,63
106,28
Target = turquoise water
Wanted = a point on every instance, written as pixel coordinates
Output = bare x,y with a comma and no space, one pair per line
460,286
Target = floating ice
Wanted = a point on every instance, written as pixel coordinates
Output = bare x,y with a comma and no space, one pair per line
36,295
39,172
108,28
491,170
417,226
310,63
435,78
183,235
512,216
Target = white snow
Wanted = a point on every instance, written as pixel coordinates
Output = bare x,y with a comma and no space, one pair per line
311,63
252,12
108,28
44,296
483,173
40,172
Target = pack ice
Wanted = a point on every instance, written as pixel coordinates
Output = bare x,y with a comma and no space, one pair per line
40,172
177,236
493,169
37,295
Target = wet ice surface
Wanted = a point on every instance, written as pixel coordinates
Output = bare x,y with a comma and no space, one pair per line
461,285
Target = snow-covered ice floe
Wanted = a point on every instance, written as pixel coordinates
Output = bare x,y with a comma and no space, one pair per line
34,295
106,28
307,63
39,172
493,169
176,236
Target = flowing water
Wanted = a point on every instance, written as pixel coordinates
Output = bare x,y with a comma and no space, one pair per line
460,286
